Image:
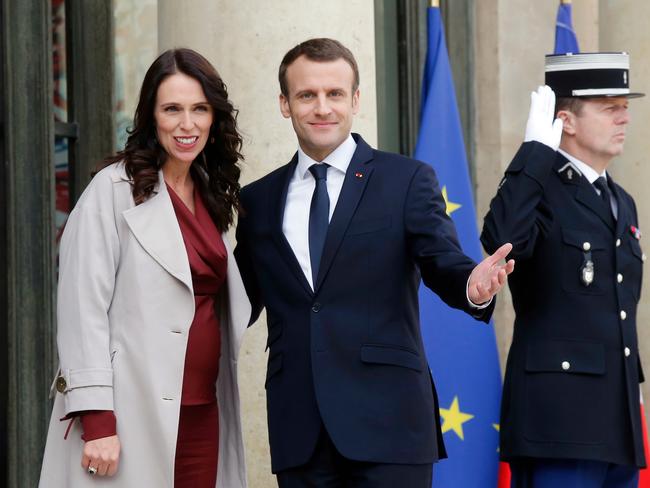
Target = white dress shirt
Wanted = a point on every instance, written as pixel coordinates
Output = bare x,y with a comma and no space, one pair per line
592,175
295,223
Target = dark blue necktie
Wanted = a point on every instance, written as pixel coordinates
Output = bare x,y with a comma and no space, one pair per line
318,217
605,193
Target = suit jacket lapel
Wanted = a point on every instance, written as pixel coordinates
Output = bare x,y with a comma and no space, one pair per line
356,178
156,228
586,195
278,198
585,192
623,219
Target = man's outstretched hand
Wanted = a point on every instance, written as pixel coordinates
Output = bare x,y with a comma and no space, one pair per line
489,276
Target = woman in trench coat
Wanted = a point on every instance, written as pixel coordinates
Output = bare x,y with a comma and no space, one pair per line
126,297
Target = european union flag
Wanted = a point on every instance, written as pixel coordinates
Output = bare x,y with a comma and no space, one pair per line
565,37
462,352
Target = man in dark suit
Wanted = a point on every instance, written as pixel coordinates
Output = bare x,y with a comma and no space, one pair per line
334,245
570,413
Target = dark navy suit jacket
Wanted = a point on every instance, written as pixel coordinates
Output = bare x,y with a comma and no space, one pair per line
349,355
572,378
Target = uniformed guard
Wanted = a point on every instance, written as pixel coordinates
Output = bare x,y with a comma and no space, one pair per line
570,412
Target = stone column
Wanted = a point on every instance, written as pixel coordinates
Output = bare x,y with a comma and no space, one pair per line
27,304
246,41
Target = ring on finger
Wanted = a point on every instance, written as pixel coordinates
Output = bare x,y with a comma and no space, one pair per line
92,470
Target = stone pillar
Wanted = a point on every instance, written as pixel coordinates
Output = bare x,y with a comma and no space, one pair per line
625,30
27,304
246,41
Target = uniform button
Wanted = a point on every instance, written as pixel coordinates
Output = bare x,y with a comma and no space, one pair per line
626,351
619,278
566,365
623,315
61,384
316,307
618,243
586,246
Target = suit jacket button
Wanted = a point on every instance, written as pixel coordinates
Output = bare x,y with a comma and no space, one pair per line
623,315
586,246
619,278
316,307
626,351
61,384
618,243
566,365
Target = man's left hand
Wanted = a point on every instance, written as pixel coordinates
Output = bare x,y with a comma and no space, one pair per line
489,276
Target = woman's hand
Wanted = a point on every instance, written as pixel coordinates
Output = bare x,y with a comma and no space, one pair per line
101,454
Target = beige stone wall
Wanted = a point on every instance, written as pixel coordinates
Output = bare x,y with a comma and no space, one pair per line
246,41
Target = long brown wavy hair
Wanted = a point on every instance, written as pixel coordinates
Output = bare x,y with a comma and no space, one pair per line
215,171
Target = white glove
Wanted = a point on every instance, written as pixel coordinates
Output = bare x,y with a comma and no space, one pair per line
540,126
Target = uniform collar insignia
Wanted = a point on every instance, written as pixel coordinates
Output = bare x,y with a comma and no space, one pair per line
569,172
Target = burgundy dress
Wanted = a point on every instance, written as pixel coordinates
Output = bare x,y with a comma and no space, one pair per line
197,446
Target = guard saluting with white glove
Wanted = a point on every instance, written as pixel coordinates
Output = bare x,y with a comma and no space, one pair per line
570,411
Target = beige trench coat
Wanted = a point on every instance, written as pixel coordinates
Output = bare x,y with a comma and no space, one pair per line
125,305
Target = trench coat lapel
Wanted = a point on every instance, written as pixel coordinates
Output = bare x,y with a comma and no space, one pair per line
156,228
354,184
277,201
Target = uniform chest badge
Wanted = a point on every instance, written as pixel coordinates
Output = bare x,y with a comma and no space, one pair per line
587,272
636,232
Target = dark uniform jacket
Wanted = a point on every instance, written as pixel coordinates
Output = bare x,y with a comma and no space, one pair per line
572,376
349,355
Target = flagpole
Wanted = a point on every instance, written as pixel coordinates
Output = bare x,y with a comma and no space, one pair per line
434,3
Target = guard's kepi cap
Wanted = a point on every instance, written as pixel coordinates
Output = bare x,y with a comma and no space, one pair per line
589,75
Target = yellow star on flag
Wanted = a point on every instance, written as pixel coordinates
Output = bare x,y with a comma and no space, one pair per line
497,427
454,419
451,206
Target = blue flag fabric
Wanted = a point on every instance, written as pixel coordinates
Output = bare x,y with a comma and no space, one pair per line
462,352
565,37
